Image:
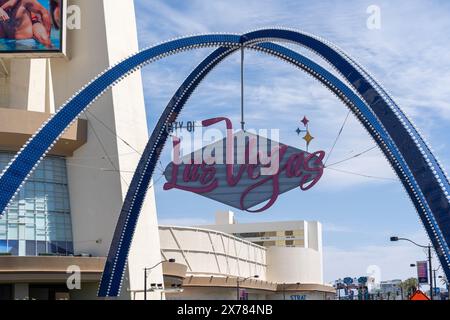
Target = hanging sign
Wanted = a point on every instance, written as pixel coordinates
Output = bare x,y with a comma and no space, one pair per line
243,170
422,271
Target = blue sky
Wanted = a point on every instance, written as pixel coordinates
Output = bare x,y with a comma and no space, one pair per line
409,55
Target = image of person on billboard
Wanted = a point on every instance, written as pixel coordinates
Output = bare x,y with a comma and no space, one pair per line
28,20
55,11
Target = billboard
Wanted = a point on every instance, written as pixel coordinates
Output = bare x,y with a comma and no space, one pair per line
32,28
422,271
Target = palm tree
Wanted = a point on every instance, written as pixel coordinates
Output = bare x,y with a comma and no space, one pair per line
409,286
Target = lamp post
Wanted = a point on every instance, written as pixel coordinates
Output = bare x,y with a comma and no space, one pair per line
429,260
150,269
243,280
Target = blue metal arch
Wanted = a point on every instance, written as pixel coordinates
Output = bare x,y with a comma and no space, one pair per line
159,136
418,169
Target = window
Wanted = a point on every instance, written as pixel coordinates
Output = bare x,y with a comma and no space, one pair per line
40,214
270,234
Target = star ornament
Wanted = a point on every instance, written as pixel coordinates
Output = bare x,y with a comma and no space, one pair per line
305,121
308,138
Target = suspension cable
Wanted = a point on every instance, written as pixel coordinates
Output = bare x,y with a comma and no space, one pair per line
337,137
361,174
112,131
104,149
352,157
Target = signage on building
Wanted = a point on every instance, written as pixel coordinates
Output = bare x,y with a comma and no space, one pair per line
422,271
243,294
362,280
298,297
244,169
348,280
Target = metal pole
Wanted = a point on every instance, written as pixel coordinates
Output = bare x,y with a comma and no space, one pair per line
145,283
431,272
242,89
237,289
434,278
448,293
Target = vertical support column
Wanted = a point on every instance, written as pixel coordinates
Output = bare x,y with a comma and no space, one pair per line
19,79
37,85
27,85
49,92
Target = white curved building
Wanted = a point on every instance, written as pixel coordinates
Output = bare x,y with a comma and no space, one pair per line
283,260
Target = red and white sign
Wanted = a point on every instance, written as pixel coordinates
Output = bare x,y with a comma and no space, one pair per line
243,169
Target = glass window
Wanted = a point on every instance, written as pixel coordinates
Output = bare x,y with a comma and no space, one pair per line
43,207
31,248
3,246
69,247
13,231
13,247
270,234
41,247
30,233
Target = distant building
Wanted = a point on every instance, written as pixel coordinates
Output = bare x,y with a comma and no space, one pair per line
297,242
391,289
354,288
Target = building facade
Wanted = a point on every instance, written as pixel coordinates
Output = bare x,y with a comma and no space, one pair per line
298,243
223,264
66,213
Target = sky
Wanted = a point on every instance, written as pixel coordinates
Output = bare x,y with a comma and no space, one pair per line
409,55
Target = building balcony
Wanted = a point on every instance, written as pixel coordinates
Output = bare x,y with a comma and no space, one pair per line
17,126
49,269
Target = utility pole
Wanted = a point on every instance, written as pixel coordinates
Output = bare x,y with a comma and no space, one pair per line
431,272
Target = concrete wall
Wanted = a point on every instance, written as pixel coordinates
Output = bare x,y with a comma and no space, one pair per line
292,265
190,293
212,253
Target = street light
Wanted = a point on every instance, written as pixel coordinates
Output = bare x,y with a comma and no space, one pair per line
429,260
243,280
150,269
